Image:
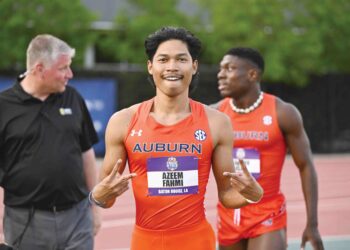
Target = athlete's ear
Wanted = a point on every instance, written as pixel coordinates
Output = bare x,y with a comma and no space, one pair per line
253,75
195,67
149,67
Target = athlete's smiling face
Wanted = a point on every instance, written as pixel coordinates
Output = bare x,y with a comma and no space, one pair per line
172,67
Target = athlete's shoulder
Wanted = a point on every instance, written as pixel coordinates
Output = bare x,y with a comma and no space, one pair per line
217,104
284,106
281,105
118,123
125,114
288,115
219,123
213,112
217,119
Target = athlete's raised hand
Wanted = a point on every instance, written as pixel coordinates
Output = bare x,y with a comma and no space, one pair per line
245,183
112,186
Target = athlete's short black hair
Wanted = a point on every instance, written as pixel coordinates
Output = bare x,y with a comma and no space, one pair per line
250,54
164,34
153,41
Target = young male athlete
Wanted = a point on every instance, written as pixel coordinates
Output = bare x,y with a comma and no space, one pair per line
264,127
170,143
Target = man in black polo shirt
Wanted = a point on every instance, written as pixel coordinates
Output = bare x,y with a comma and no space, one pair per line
47,163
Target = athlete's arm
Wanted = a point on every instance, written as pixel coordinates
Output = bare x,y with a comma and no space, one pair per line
233,188
112,183
291,124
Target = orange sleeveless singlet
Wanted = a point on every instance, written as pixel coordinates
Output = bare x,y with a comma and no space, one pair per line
172,165
258,138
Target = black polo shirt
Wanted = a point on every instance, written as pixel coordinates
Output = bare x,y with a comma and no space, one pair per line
41,145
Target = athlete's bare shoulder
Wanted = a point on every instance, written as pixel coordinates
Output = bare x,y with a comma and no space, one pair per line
213,113
219,123
288,115
216,105
120,120
125,114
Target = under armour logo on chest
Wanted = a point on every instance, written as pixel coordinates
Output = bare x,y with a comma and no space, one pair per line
134,132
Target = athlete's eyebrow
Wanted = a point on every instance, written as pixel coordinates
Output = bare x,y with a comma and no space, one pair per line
177,55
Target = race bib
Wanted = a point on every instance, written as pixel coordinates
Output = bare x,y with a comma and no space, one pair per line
251,158
168,176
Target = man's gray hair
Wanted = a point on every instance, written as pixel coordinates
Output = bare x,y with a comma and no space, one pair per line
46,49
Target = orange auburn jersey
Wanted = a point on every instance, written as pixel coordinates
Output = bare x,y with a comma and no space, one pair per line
259,134
172,164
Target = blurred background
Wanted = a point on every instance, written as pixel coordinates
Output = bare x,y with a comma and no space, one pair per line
305,44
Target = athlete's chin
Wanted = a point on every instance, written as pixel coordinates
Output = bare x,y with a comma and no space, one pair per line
224,93
174,90
173,93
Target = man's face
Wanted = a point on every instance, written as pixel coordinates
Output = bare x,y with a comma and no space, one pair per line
55,76
235,76
172,67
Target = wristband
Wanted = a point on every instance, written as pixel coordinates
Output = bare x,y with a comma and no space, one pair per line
95,202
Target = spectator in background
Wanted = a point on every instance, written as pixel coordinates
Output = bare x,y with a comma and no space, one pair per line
47,163
264,128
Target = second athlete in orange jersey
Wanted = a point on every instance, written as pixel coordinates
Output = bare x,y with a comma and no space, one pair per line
259,134
264,126
257,139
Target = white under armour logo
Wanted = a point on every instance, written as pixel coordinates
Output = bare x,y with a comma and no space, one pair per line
134,132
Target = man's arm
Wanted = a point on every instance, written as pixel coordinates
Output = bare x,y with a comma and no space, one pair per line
90,171
233,188
291,124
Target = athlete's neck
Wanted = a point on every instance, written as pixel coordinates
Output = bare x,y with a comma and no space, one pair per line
169,111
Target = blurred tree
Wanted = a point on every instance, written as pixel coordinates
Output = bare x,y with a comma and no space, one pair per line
21,20
298,38
125,44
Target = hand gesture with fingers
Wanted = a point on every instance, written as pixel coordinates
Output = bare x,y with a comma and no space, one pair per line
112,186
245,184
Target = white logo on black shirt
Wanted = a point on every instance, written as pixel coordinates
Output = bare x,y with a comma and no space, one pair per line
65,111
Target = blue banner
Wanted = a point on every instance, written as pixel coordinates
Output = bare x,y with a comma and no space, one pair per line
100,95
6,82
